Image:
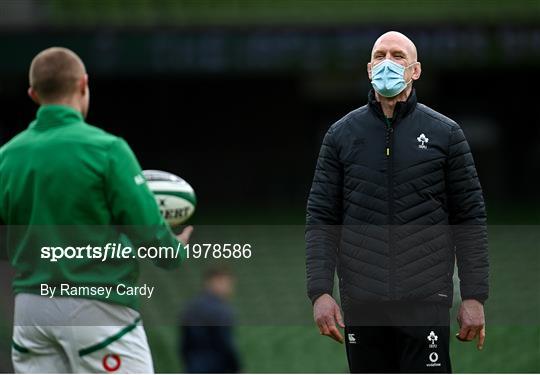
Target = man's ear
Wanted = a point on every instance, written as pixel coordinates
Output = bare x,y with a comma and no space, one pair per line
369,70
83,84
34,95
417,71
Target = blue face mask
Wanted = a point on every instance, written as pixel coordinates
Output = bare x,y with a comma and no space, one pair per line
387,78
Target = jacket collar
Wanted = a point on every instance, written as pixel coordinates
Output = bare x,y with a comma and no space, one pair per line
401,110
52,115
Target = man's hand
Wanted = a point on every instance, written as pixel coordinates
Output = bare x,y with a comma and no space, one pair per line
184,236
471,322
326,313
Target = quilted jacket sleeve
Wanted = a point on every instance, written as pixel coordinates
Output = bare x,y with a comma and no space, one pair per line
468,219
324,218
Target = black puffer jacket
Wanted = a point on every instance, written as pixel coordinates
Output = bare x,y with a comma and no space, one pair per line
393,206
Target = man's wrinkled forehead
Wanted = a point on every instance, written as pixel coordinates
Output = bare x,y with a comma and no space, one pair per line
395,42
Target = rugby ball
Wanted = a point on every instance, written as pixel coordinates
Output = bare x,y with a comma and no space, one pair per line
175,197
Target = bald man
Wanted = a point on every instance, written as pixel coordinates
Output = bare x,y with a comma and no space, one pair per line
65,183
395,201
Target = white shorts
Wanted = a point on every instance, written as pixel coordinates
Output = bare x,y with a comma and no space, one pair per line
77,335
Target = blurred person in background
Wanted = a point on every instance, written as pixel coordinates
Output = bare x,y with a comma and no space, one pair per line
207,343
395,201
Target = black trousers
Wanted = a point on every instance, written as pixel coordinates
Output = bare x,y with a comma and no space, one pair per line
399,338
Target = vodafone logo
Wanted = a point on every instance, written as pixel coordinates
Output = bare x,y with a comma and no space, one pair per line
111,362
433,358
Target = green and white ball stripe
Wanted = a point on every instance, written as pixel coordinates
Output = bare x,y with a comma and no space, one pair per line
175,197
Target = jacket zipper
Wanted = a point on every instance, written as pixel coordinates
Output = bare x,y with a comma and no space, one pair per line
390,171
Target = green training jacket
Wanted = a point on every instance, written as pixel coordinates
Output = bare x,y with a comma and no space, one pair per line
66,183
